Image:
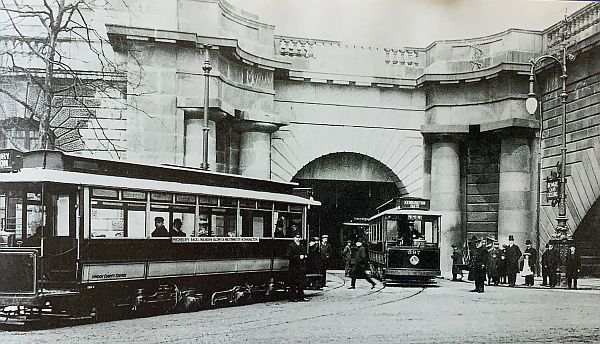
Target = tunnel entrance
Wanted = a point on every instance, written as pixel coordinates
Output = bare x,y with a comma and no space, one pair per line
349,186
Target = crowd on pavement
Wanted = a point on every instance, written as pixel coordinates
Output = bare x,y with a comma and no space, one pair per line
503,265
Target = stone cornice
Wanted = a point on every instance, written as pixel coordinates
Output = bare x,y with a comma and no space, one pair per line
120,34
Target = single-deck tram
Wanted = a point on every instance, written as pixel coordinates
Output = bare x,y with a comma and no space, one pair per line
404,239
85,237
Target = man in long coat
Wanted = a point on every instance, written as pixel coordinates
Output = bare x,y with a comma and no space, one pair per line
532,261
457,261
493,262
325,257
553,261
360,265
347,255
296,254
479,262
545,266
513,254
573,267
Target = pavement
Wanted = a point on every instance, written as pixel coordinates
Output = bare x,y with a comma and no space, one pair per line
584,283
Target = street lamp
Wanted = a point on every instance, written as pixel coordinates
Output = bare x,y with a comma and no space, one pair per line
561,238
532,104
205,129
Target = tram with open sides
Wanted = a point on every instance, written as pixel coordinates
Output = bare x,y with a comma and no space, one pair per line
403,241
77,237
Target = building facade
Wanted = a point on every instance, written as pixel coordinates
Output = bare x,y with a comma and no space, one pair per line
445,122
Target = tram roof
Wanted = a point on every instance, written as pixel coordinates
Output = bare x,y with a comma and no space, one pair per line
396,211
33,175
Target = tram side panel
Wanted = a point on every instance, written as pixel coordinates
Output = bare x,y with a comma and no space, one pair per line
412,262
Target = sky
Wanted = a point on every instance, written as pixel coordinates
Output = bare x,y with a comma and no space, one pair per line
405,23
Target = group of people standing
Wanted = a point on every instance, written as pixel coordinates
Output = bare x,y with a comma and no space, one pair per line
501,266
301,261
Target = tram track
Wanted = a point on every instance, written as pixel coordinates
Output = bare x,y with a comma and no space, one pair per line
350,305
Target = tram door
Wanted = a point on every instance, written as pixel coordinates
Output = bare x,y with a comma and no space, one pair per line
43,216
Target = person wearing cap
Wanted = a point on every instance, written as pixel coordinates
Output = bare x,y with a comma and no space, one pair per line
325,257
479,261
457,261
296,270
347,256
553,261
493,262
573,267
513,254
360,265
159,228
313,259
532,261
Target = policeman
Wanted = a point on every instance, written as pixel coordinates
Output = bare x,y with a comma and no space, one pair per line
457,261
479,262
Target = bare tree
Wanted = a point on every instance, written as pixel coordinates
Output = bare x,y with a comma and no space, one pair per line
58,68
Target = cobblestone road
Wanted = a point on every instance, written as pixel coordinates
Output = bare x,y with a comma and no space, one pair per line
448,313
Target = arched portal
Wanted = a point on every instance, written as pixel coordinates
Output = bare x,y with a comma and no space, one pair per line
348,185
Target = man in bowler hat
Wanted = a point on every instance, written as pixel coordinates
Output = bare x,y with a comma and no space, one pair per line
513,254
573,267
545,266
360,265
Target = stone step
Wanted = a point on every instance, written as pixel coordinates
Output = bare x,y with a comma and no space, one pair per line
590,270
590,260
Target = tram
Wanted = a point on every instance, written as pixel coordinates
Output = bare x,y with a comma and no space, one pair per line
79,237
403,241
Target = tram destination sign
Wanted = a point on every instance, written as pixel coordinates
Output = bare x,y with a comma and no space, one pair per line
413,203
181,240
10,160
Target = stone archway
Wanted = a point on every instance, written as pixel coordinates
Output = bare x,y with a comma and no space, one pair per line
296,146
348,185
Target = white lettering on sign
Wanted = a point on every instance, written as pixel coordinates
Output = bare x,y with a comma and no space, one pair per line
109,276
179,240
4,160
113,272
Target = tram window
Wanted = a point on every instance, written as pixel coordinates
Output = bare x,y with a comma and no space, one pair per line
392,230
136,223
204,223
187,222
107,223
224,224
287,224
62,215
256,223
429,231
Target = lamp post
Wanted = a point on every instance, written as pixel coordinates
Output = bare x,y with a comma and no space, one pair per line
561,238
205,129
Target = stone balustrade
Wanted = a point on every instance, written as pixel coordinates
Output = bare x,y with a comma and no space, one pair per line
575,24
401,57
307,48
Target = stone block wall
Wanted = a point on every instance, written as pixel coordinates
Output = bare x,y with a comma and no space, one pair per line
583,138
